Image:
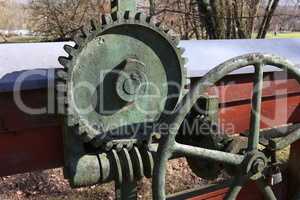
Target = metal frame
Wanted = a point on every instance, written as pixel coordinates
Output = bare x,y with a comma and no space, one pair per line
46,136
253,162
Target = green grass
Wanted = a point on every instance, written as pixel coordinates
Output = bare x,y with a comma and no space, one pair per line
284,35
23,39
30,39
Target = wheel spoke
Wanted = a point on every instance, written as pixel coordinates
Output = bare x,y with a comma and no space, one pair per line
256,108
219,156
236,187
266,189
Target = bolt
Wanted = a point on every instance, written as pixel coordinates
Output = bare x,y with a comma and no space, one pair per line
100,41
131,85
258,166
135,76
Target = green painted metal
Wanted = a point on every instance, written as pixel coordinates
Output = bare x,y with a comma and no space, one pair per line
256,107
254,162
283,142
266,189
208,154
115,83
118,79
87,169
200,129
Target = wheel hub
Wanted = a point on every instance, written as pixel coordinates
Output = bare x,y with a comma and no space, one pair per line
255,163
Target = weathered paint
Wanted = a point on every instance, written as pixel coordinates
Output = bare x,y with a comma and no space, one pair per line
41,143
168,145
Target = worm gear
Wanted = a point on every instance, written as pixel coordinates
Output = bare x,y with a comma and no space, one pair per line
119,79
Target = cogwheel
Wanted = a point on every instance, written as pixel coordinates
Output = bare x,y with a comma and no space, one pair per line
111,67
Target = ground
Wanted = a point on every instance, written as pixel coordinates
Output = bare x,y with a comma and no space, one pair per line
284,35
50,185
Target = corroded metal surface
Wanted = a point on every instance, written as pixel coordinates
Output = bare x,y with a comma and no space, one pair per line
121,81
120,63
253,163
48,142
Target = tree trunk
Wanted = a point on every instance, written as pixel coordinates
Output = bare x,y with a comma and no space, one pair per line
152,8
269,12
234,19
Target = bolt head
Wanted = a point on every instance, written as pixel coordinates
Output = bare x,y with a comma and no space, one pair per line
258,166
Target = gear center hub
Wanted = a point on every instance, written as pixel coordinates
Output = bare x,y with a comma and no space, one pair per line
132,80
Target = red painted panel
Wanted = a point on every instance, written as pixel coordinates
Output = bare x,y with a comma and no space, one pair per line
234,88
10,113
30,150
249,192
34,142
275,112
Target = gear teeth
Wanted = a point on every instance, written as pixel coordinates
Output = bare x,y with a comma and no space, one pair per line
185,60
138,16
96,25
86,132
106,19
83,32
88,30
159,25
148,19
70,50
181,51
167,31
82,128
61,74
127,15
64,61
85,137
114,16
62,101
184,71
72,121
175,40
79,39
61,87
188,82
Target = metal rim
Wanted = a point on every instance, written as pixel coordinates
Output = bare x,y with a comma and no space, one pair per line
168,145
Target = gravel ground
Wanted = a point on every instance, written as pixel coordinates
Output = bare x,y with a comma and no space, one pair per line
51,185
